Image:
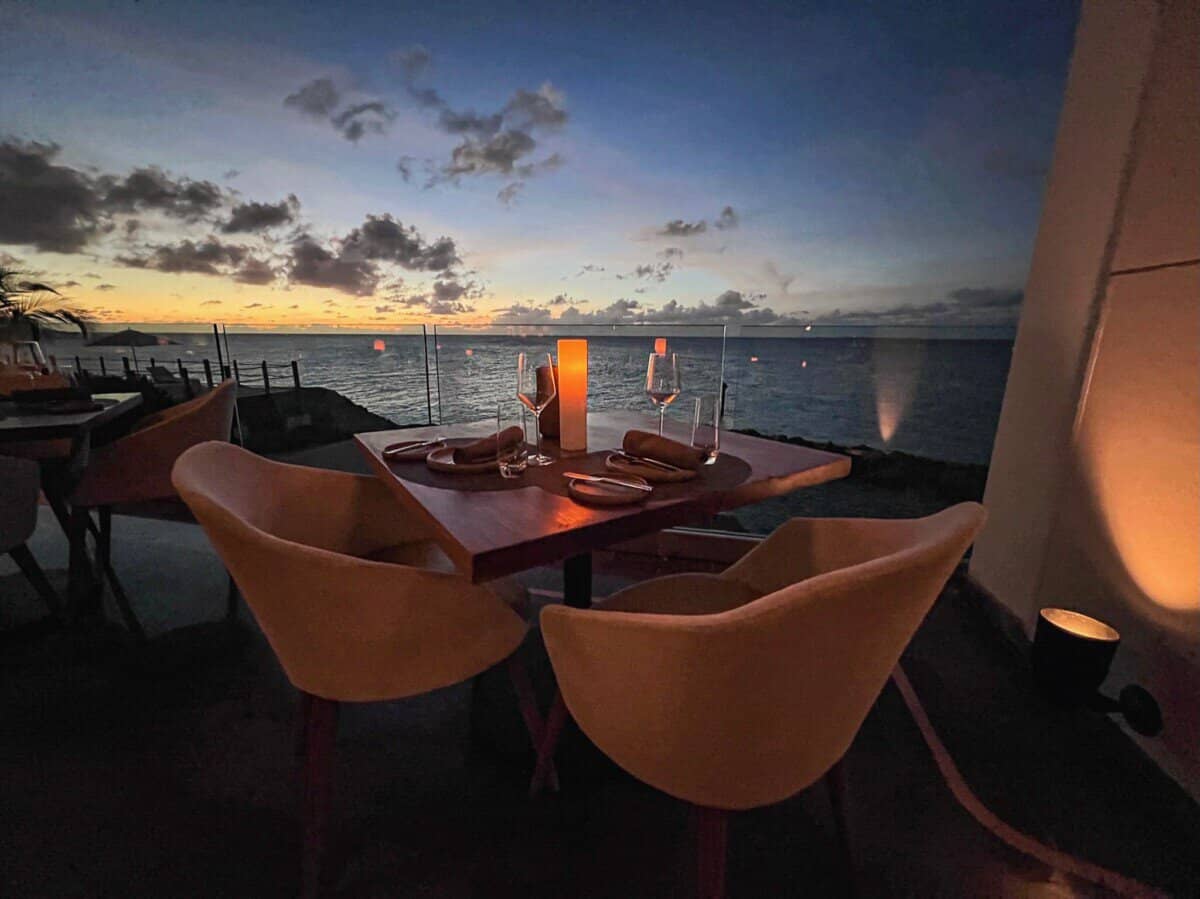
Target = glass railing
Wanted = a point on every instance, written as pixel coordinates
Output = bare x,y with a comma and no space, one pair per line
893,393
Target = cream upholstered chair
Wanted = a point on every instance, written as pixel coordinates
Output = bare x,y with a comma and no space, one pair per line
738,690
137,469
19,480
345,586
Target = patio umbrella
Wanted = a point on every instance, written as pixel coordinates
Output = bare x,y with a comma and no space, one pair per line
132,339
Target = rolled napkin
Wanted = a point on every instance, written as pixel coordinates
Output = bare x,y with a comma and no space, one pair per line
651,446
486,449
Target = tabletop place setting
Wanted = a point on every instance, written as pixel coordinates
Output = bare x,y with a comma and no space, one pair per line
552,398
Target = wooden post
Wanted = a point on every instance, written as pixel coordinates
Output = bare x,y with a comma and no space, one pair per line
266,378
208,372
237,375
296,373
187,382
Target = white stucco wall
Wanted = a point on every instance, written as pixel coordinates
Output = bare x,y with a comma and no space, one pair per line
1094,489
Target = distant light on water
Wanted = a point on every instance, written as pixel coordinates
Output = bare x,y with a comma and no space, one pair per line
804,363
470,352
753,358
808,327
380,346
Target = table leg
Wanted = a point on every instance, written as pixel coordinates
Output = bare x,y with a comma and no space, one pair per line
577,581
81,580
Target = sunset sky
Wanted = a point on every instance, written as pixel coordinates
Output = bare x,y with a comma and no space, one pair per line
382,163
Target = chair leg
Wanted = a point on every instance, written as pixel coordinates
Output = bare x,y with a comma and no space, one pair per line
527,702
712,839
303,710
835,782
33,573
104,564
321,734
231,601
556,718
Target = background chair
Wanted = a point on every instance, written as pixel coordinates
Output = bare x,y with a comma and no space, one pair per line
136,469
354,597
739,690
19,480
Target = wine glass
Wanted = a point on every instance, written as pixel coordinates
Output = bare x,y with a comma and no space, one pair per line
662,383
536,393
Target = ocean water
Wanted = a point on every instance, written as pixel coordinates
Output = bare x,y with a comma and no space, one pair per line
934,397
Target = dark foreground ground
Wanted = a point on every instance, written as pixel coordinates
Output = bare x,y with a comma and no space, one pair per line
169,771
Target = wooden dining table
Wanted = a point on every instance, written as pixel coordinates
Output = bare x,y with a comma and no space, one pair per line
488,533
28,430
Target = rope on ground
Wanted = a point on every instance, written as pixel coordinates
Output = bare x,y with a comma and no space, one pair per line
1019,841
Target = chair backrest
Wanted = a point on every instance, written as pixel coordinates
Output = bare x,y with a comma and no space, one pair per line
343,627
137,468
19,485
746,707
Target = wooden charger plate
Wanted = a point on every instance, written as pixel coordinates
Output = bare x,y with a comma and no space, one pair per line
606,494
442,459
648,472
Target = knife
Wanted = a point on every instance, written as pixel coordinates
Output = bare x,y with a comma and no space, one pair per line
652,463
595,479
405,447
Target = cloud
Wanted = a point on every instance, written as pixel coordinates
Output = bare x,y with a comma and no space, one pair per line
320,98
230,174
255,216
207,257
730,307
491,143
91,275
383,238
986,297
151,188
655,271
386,307
67,284
212,303
315,265
670,253
727,220
255,271
355,121
253,306
53,208
562,300
680,228
106,286
404,167
317,99
963,307
508,193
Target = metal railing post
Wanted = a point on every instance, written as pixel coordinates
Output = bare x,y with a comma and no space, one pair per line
296,373
208,373
266,378
125,365
103,371
78,364
428,395
237,375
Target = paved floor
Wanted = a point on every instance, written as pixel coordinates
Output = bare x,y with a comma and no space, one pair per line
169,772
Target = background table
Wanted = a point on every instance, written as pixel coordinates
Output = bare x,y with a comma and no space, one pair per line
488,534
23,425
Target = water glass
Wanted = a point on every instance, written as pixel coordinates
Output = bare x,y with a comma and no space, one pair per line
706,426
511,462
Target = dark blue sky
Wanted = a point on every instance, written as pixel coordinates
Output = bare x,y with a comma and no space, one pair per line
879,162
